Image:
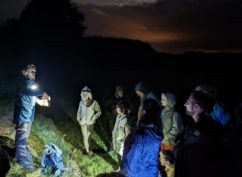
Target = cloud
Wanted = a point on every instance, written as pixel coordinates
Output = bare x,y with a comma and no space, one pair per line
168,25
116,2
11,8
174,25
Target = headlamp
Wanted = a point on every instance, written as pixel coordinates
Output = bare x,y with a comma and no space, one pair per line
34,87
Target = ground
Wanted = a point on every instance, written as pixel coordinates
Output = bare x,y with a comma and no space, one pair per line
57,125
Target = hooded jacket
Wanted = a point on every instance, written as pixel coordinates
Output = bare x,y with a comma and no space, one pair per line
141,159
172,125
88,114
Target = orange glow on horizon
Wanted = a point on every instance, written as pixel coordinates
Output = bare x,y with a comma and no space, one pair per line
118,26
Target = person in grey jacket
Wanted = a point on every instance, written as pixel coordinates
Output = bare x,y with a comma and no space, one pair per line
88,112
121,129
172,125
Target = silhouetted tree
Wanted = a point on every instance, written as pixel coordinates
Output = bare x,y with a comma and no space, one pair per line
52,21
45,26
9,36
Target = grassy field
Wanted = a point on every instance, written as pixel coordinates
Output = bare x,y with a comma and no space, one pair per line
58,126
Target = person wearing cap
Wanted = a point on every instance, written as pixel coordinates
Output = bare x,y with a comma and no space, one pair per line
87,114
27,96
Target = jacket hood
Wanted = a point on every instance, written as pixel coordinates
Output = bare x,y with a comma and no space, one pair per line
153,135
86,89
171,99
140,87
149,130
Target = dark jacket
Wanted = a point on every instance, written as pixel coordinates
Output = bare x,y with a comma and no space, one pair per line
200,154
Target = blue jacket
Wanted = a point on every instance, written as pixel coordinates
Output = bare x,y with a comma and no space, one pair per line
142,158
25,102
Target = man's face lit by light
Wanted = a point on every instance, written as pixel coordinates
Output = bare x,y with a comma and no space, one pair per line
31,73
190,106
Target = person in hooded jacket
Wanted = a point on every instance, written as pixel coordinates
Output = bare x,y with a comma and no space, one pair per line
141,149
87,114
172,125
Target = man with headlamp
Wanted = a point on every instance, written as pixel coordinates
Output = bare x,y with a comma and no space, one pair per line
28,95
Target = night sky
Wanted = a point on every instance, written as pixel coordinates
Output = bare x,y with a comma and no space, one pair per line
168,25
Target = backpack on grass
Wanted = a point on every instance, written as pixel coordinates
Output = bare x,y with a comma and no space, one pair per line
51,161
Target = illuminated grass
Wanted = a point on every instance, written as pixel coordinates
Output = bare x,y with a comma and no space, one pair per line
67,135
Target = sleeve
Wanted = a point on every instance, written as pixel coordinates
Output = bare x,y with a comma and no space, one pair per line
127,129
97,111
78,115
126,133
176,129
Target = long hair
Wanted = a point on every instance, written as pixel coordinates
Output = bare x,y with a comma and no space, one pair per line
151,116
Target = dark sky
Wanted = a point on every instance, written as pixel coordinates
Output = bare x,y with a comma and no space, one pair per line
168,25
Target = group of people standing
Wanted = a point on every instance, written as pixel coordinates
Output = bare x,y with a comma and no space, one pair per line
162,145
159,139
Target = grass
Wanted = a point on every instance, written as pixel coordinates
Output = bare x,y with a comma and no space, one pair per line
59,127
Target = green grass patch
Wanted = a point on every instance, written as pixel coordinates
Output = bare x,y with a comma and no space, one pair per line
67,135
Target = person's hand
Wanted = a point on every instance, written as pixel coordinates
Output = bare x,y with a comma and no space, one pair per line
78,119
43,102
46,96
92,119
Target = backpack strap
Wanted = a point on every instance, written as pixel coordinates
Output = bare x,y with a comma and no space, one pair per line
44,168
